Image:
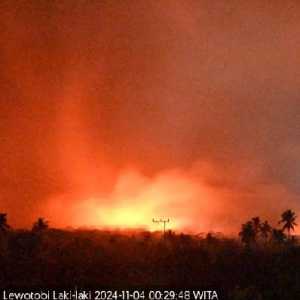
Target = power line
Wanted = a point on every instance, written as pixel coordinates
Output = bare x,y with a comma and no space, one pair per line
164,221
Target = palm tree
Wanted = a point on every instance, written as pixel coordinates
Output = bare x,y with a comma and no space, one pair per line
256,225
40,225
278,236
265,230
288,219
3,222
247,233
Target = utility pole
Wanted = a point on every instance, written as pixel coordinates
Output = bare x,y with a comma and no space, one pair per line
164,221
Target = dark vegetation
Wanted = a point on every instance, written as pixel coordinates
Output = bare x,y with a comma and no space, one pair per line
263,264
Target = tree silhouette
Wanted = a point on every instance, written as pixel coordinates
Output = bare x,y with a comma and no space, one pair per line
40,225
278,236
265,230
256,224
3,223
248,233
288,219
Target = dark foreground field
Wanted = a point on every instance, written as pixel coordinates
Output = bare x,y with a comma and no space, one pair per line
97,258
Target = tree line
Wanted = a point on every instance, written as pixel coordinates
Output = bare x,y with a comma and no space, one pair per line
255,230
263,264
40,225
251,232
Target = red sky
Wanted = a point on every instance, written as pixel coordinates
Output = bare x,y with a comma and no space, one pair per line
114,112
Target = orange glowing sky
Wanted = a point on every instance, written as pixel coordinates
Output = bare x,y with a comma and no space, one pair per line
116,112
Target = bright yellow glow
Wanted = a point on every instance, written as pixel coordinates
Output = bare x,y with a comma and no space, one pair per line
133,215
136,200
126,217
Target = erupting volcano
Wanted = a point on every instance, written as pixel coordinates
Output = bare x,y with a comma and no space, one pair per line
115,113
